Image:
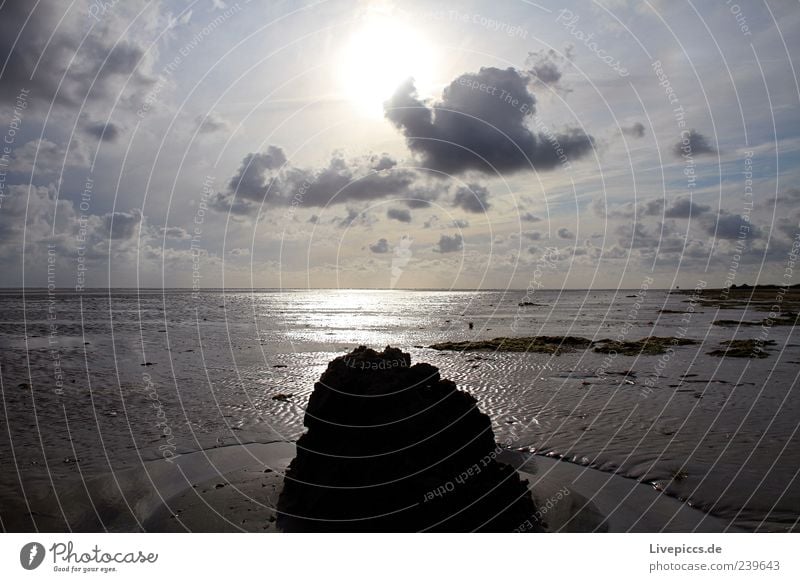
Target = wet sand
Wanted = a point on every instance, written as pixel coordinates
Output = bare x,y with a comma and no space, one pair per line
716,433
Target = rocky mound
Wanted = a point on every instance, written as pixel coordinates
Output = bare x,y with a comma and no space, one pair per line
394,447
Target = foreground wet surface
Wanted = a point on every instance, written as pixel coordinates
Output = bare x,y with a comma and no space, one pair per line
133,378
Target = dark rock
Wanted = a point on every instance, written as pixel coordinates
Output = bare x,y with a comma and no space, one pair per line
394,447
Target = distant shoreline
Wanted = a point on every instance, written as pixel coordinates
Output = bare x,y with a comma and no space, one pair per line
736,290
94,290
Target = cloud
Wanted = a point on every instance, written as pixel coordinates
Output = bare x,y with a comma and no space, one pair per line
692,143
103,131
122,225
481,124
545,67
380,247
528,217
732,226
399,214
472,198
635,130
685,208
431,222
616,252
355,218
253,177
790,195
604,209
533,235
635,236
459,223
239,252
210,123
449,244
565,233
48,157
680,208
48,39
175,232
270,179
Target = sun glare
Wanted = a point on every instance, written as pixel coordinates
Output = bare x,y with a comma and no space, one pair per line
378,57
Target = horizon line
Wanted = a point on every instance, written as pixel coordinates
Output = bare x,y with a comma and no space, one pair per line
465,289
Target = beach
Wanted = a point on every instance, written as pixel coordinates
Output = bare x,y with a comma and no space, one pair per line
109,414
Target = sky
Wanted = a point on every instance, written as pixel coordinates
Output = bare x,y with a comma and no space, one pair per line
379,144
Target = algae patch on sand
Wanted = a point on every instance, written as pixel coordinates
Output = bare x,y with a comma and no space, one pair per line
648,346
743,348
541,344
545,344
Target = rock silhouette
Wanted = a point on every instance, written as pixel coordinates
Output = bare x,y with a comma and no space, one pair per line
394,447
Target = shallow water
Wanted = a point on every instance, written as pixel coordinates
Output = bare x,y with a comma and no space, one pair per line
721,434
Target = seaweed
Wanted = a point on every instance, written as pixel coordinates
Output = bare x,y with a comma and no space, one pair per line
786,318
542,344
743,348
649,346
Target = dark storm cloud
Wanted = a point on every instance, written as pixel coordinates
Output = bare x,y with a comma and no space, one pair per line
546,67
399,214
529,217
382,162
380,247
417,203
122,225
449,244
228,203
732,226
24,30
565,233
693,143
39,41
635,130
269,178
654,207
680,208
253,177
481,124
685,208
547,72
422,196
472,198
104,131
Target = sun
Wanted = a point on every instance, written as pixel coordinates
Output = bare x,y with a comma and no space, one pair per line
377,57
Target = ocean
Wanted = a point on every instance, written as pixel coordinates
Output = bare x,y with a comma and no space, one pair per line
101,382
